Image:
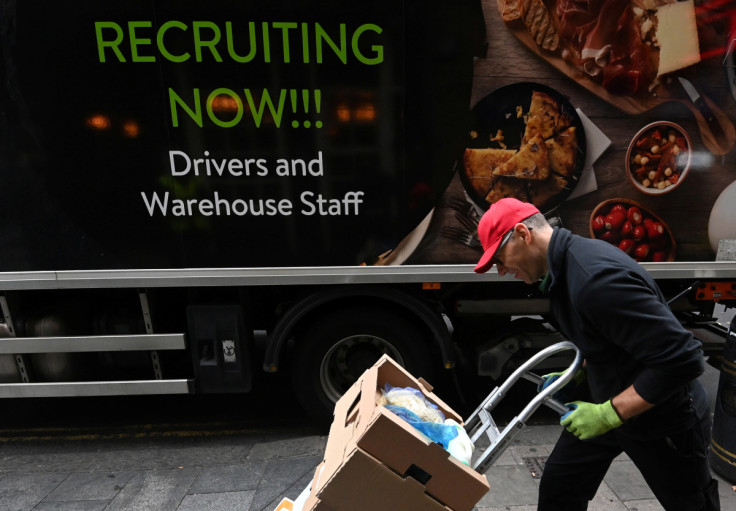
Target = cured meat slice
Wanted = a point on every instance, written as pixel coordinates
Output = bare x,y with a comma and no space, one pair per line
602,38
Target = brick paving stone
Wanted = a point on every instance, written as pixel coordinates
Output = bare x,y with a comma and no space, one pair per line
227,501
281,475
154,490
229,478
21,492
79,505
627,482
510,485
90,486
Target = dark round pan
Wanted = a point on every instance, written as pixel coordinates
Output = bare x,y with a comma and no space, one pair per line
498,111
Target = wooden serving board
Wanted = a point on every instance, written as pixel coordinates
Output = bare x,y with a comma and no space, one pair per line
717,144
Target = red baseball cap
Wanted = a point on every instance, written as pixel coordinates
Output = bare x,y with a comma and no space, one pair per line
500,218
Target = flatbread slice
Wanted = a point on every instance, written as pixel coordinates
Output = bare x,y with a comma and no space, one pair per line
564,121
479,165
482,162
531,162
542,193
562,150
540,25
482,185
544,114
508,187
511,10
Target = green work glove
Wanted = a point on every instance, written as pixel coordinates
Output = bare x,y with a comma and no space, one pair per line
588,420
568,391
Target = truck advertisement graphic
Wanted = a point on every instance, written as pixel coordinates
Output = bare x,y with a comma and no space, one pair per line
197,192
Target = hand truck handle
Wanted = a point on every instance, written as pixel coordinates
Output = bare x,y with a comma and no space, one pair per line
481,422
551,402
545,395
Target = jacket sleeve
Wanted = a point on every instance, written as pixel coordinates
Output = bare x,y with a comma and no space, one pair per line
629,311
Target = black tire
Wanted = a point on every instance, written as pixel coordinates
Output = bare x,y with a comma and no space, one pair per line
333,353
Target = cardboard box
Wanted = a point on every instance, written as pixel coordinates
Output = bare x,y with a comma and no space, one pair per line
313,503
363,483
376,458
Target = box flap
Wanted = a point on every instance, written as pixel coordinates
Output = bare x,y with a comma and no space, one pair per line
340,443
314,504
365,484
405,450
427,388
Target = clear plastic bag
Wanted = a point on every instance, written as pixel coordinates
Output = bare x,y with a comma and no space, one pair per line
414,401
437,432
460,447
411,405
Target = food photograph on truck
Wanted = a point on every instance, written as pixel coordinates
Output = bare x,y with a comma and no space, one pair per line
623,101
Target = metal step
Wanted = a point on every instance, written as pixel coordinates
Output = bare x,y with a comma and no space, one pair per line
143,342
95,388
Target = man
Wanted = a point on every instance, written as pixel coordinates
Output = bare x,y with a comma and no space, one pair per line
641,364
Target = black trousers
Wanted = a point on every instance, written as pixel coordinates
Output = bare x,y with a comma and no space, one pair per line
675,468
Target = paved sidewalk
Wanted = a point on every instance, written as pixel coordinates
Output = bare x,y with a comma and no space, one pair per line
514,488
249,471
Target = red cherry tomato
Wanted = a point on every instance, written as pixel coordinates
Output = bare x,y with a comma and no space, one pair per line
639,233
618,207
634,215
615,220
611,236
641,251
627,230
627,245
654,230
599,223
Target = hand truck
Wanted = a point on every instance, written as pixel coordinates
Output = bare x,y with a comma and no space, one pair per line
481,422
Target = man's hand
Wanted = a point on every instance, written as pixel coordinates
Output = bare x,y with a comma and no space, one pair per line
568,391
588,420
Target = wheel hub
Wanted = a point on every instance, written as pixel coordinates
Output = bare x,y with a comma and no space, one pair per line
343,364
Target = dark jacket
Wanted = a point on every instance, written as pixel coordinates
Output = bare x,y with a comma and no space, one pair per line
609,306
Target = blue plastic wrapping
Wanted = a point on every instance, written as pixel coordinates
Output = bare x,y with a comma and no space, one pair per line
435,431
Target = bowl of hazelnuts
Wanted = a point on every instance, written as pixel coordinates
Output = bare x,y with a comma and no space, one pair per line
658,158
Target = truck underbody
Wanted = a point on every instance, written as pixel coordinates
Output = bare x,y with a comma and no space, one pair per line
209,330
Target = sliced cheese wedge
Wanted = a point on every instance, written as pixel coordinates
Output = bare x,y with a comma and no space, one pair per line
677,37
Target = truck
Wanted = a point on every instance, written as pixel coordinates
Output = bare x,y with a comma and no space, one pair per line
195,193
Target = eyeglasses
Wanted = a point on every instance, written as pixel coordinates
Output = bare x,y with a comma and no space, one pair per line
504,241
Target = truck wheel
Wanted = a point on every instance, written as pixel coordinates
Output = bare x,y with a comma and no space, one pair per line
332,354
